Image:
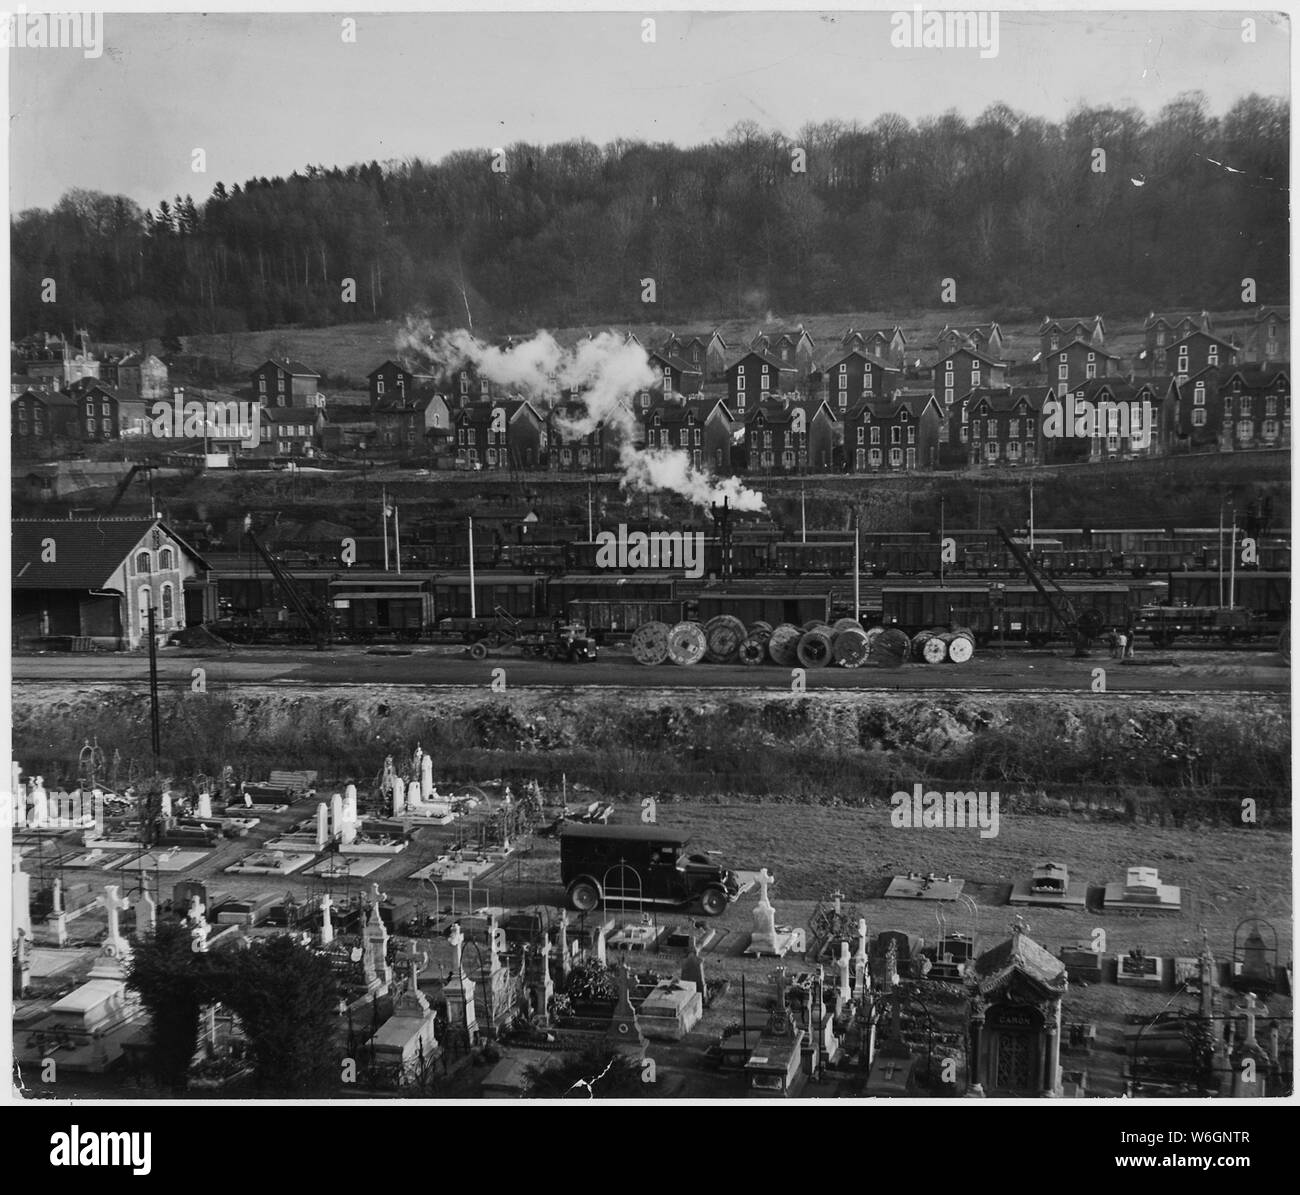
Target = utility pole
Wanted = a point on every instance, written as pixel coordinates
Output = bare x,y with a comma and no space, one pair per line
153,689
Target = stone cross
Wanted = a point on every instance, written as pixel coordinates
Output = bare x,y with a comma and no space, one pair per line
844,992
114,904
764,878
457,940
375,895
57,897
1250,1008
564,942
418,960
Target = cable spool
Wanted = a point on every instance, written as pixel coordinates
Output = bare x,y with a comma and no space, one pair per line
850,646
962,646
935,649
814,648
752,651
723,636
783,645
814,624
845,624
686,644
873,633
919,640
761,630
891,648
650,643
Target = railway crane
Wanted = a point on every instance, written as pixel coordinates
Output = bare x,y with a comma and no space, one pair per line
316,626
1083,627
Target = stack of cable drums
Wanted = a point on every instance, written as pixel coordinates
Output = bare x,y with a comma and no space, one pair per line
686,644
890,648
962,645
814,647
936,647
850,644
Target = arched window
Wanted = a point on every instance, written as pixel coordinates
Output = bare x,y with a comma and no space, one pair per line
167,603
142,563
165,558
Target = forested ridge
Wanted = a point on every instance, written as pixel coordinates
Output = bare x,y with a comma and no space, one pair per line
1012,207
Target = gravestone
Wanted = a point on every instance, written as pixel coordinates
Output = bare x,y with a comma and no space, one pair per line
459,991
116,951
693,972
844,993
426,778
765,938
336,815
322,826
408,1035
378,974
205,804
21,892
57,921
165,806
565,960
326,924
624,1032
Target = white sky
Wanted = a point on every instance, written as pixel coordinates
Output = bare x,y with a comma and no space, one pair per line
268,94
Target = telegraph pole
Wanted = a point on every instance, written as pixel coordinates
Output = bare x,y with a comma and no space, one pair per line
153,689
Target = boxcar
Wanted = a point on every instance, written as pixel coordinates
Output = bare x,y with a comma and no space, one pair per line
519,594
773,608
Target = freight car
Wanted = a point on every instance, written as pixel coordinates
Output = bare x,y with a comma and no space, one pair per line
1016,612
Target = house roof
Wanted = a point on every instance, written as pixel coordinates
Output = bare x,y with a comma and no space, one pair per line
966,348
703,337
1259,378
861,356
297,368
765,357
1282,313
913,402
481,412
677,412
1191,335
51,398
795,334
874,333
672,362
779,412
1121,389
1005,399
1086,321
1086,344
1020,955
87,551
274,415
396,404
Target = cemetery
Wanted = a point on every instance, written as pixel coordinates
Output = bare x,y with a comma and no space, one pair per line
463,968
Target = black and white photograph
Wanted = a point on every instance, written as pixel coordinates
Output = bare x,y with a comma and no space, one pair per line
737,555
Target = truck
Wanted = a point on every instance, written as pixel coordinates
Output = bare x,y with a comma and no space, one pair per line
643,864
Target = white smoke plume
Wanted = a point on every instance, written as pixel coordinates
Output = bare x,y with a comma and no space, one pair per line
603,373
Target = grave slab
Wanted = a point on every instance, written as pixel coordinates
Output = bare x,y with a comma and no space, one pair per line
915,886
172,858
1143,971
671,1010
1141,891
784,939
95,858
271,862
633,936
362,865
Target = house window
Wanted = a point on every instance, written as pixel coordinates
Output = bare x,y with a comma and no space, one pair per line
767,439
844,379
143,564
1182,363
860,459
464,383
862,434
696,437
22,423
1270,429
1013,429
1160,339
764,380
895,457
1055,343
261,385
1198,395
965,413
379,385
911,435
844,401
1063,372
875,456
1089,371
1227,408
965,434
991,450
911,458
875,435
993,429
947,376
947,397
165,559
1198,417
787,459
1214,354
167,603
695,458
684,437
1245,430
1246,404
566,456
974,377
1112,443
90,427
1270,405
491,456
895,435
1013,450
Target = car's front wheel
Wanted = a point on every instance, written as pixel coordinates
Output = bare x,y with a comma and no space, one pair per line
584,896
713,901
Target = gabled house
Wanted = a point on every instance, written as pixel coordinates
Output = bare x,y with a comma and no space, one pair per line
503,434
983,338
1197,351
408,420
393,380
705,351
100,579
465,386
289,432
754,378
676,376
1053,334
572,450
285,383
137,375
962,370
792,347
104,413
885,345
1105,418
701,427
1267,336
1245,407
894,433
1077,362
1160,331
43,415
855,376
1000,425
789,435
